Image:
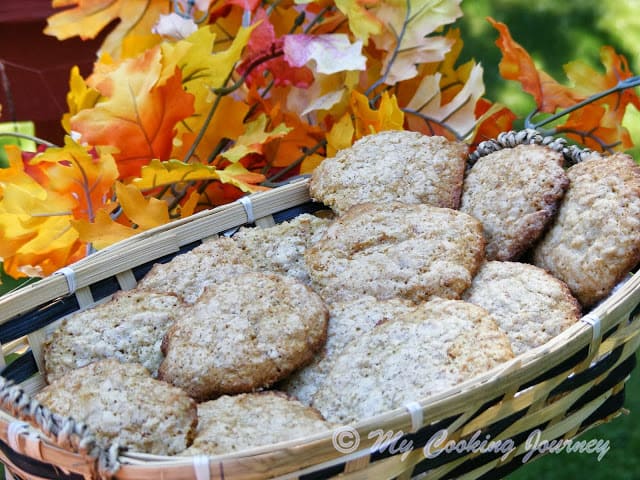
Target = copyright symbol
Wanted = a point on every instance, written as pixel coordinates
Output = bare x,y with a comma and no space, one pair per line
346,439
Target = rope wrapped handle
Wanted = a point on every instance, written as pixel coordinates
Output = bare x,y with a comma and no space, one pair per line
572,153
65,432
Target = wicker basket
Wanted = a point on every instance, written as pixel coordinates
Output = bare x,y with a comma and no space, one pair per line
556,391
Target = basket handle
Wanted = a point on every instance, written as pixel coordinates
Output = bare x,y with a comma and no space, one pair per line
572,153
64,432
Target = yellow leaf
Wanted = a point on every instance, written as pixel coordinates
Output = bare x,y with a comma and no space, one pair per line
238,176
310,163
388,116
341,135
362,22
417,45
159,173
79,97
103,231
254,138
146,213
190,205
89,17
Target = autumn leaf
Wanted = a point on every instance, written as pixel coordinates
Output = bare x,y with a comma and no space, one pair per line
330,53
456,115
590,126
388,115
90,17
407,37
362,22
492,119
79,97
144,212
265,53
87,176
176,172
103,231
139,118
517,64
589,82
254,138
35,233
202,71
341,135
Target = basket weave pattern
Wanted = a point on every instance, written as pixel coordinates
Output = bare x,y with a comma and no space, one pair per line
556,391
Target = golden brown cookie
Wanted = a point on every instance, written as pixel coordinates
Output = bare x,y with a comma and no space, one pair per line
595,239
234,423
123,404
529,305
391,250
514,192
188,274
244,335
129,328
281,248
347,321
440,344
394,165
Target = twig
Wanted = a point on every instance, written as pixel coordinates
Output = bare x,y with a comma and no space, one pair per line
394,55
428,120
269,182
24,136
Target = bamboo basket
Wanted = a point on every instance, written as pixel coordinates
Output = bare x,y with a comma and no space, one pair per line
555,392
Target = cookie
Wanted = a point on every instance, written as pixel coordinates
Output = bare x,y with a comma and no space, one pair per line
595,239
281,248
244,335
440,344
188,274
122,403
529,305
515,193
128,328
395,165
391,250
234,423
347,321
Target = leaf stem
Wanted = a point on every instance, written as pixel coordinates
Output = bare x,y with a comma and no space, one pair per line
24,136
428,120
394,55
269,182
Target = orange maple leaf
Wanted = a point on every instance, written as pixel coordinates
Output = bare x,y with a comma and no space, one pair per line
139,117
89,17
517,64
85,175
36,237
588,82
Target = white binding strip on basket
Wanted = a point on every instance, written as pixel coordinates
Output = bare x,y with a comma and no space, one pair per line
32,447
70,276
417,417
201,467
596,330
248,208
